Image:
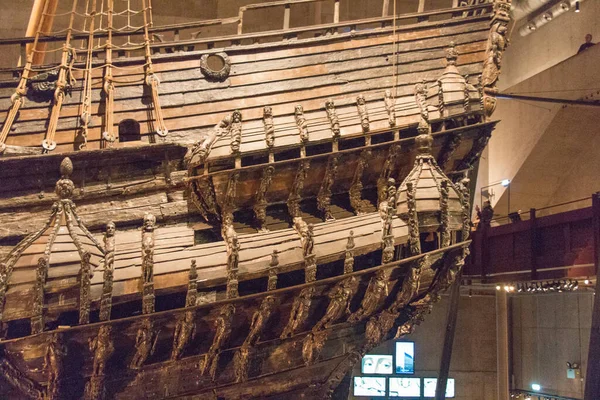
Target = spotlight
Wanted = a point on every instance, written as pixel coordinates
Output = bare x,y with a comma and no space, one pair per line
506,182
536,387
506,288
511,288
498,287
587,281
577,6
470,293
548,16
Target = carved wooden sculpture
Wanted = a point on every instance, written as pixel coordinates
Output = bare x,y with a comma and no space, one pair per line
103,348
269,126
339,303
148,264
257,325
53,364
84,290
444,220
222,333
301,123
185,329
233,259
109,267
295,196
387,240
145,343
374,294
358,204
390,107
349,256
496,44
299,312
236,131
192,292
260,205
363,112
312,346
273,270
308,250
421,98
448,150
389,166
197,154
41,273
324,196
228,203
413,221
20,381
334,121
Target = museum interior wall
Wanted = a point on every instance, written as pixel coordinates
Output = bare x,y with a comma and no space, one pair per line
548,331
537,143
473,363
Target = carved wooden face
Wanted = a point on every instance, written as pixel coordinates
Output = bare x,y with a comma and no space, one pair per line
110,229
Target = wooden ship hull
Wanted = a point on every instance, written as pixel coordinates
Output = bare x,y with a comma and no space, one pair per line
295,206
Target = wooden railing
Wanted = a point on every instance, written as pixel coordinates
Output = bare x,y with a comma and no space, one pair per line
557,245
170,38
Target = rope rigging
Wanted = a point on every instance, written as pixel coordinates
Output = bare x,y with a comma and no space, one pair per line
94,21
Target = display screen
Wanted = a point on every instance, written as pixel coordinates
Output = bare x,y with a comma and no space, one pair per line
377,364
369,386
429,385
405,387
405,357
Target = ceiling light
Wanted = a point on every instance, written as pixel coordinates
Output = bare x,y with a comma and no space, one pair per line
532,26
505,182
536,387
498,287
577,6
587,281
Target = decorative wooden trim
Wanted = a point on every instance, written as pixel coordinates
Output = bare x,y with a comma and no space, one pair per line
41,273
148,264
260,204
185,330
236,131
388,169
444,216
84,289
334,121
19,381
103,348
363,113
222,332
413,220
269,126
109,267
390,107
192,291
301,123
145,343
54,365
355,192
448,150
324,196
295,196
387,234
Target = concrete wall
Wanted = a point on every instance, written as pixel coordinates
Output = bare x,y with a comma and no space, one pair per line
546,149
547,331
473,363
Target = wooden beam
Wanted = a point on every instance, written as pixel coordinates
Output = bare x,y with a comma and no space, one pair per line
440,390
592,383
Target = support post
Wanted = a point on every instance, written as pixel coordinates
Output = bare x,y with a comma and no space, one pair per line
440,390
502,344
592,383
286,17
385,8
336,11
534,243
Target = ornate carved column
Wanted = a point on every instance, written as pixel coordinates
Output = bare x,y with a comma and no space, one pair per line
109,267
102,347
53,363
355,192
84,289
41,273
295,196
145,343
260,205
363,113
324,196
148,264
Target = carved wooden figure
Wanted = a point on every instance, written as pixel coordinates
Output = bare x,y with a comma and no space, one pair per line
269,126
295,196
363,112
333,119
299,312
84,289
339,303
222,333
349,256
444,217
185,329
197,154
358,204
260,205
389,167
233,259
312,346
324,196
375,293
148,264
301,123
41,273
145,343
390,107
236,131
53,364
421,98
413,222
273,270
103,348
192,292
387,240
109,267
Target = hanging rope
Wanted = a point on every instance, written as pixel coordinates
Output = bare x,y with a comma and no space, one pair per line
109,86
152,80
86,109
66,64
18,98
